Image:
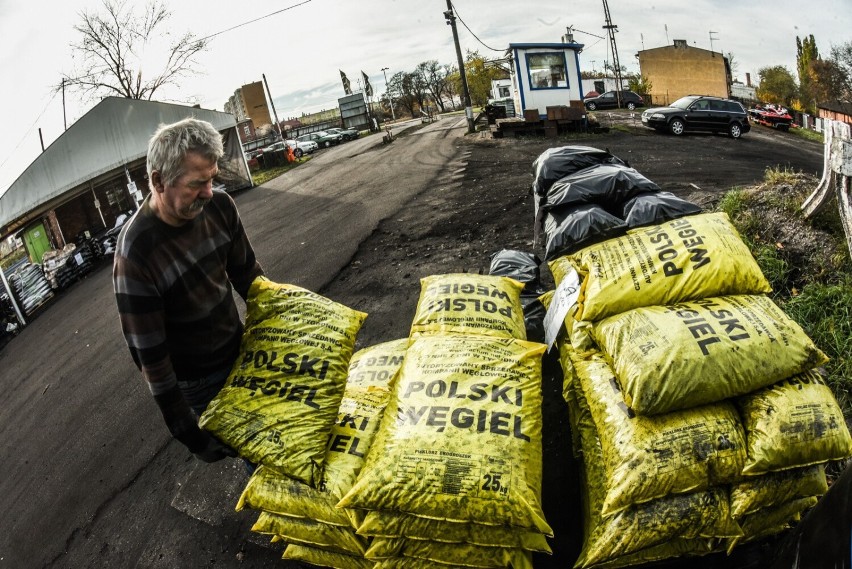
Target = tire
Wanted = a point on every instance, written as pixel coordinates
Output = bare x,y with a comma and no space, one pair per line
591,106
735,130
676,127
298,153
631,106
326,144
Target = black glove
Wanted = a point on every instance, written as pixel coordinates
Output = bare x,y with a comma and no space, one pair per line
215,450
183,426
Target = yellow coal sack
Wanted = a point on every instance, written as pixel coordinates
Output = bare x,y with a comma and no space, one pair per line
774,488
689,258
302,531
271,491
462,303
323,558
610,538
684,355
394,525
772,520
368,387
461,438
520,561
675,548
281,398
368,391
646,458
456,555
795,422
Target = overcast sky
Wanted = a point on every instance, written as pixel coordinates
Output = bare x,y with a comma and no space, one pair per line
300,50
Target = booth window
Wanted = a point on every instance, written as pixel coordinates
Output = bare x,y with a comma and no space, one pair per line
547,70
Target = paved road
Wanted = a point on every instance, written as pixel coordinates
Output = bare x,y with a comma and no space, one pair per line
89,476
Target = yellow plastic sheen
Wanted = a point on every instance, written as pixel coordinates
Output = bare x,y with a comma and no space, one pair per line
393,525
521,560
689,258
281,398
772,520
273,492
461,437
324,558
646,458
372,371
678,547
694,515
676,357
462,303
795,422
457,555
302,531
774,488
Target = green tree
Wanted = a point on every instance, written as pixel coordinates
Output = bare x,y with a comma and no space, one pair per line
777,85
841,58
640,84
479,73
829,82
806,54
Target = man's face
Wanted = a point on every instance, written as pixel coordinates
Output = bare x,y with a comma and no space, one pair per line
183,200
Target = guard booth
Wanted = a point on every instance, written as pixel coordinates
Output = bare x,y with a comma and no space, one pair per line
354,112
545,75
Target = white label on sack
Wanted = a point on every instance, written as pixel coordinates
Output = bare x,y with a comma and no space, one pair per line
563,299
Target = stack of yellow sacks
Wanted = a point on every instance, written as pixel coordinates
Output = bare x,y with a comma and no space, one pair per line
695,398
307,518
453,477
279,409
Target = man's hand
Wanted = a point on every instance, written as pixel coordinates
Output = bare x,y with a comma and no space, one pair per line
215,450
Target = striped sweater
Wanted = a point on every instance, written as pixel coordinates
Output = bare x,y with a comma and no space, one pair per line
173,289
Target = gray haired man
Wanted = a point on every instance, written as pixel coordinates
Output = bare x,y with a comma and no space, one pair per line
176,263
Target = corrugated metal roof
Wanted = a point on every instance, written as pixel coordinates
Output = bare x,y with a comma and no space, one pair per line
115,132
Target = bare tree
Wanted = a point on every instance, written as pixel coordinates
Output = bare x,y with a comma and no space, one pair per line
436,80
126,52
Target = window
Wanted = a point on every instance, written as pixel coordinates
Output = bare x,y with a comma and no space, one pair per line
547,70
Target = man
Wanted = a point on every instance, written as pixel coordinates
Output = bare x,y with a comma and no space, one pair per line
176,262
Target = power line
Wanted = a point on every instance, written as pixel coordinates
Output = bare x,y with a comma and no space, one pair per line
588,34
20,142
255,20
202,39
473,34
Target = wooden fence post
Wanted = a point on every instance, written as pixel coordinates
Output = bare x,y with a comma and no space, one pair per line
837,169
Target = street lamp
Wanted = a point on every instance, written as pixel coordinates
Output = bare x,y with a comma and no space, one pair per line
390,98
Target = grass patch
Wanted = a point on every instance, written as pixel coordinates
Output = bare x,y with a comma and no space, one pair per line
825,313
808,134
262,176
806,262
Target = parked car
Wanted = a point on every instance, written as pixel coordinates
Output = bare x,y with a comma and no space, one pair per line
699,113
346,133
302,148
322,138
609,100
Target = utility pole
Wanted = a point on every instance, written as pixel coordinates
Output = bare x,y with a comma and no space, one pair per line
611,29
387,90
64,119
274,112
468,110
